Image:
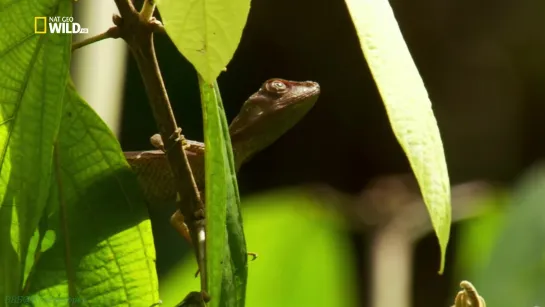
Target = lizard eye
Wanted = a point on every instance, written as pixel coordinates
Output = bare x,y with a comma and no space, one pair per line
276,86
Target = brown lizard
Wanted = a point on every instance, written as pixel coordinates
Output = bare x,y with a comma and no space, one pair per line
275,108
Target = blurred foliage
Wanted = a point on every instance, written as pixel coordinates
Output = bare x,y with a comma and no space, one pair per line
304,256
503,252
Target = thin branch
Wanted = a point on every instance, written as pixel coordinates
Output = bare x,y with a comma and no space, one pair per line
112,32
146,60
391,202
146,13
138,34
125,7
157,26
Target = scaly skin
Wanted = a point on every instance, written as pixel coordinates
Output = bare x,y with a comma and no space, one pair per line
264,117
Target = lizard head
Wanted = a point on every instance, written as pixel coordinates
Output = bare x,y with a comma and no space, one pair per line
269,113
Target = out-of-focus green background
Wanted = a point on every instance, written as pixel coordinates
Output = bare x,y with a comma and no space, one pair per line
304,256
484,67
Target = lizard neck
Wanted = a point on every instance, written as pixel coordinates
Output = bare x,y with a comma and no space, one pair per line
244,151
268,114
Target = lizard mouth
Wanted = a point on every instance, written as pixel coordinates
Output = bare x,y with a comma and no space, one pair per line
297,94
275,108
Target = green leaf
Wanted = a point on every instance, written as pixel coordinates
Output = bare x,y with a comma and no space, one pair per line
235,275
206,32
226,245
103,254
33,74
408,107
305,256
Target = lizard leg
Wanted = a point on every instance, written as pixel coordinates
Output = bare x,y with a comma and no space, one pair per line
177,221
157,141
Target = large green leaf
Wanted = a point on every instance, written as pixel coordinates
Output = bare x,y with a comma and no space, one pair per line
408,107
73,225
226,246
103,252
206,32
33,74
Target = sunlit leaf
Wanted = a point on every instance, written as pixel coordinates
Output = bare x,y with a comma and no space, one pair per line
33,74
103,254
408,107
206,32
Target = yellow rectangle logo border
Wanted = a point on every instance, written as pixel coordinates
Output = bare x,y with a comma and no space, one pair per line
36,25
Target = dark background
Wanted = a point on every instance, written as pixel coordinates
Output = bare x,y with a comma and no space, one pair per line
482,63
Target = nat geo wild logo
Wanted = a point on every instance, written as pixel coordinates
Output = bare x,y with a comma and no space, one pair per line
58,24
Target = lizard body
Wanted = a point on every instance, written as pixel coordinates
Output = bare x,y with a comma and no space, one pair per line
275,108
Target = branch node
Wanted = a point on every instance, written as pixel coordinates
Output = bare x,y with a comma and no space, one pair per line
117,20
112,32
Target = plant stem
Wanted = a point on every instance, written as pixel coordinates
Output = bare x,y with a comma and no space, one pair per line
112,32
138,33
147,9
125,7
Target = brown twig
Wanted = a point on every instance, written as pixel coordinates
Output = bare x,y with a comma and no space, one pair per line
112,32
138,33
125,7
146,13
